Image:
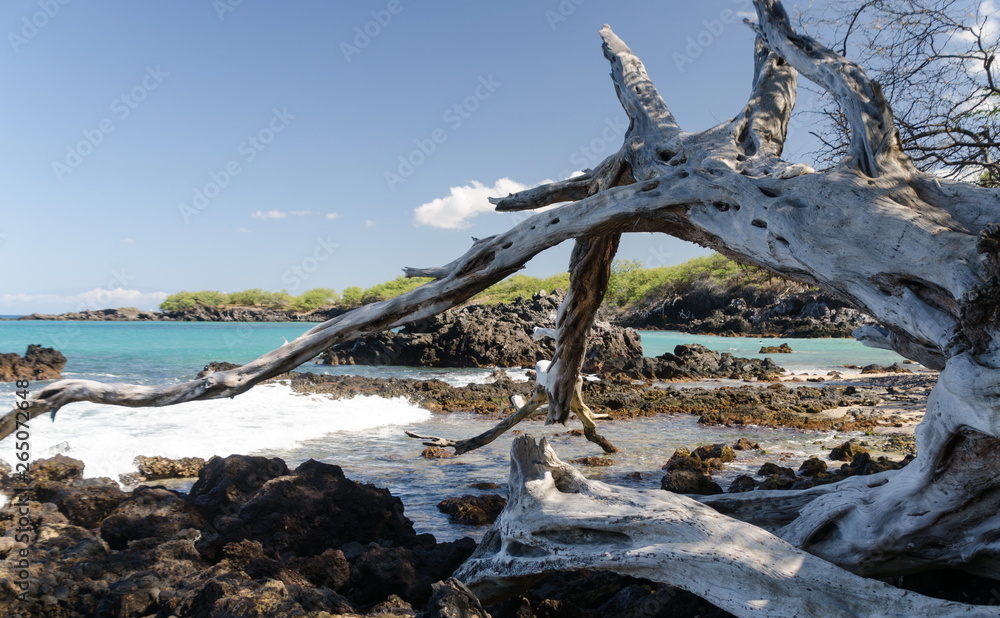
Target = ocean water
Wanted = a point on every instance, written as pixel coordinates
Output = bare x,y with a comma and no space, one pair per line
364,435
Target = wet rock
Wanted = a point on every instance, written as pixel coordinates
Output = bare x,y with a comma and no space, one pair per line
156,468
452,599
772,469
473,510
56,469
380,571
742,484
225,484
326,570
846,451
686,462
150,512
893,368
484,486
593,460
436,452
863,463
776,349
38,363
689,482
777,481
744,444
315,509
86,502
722,452
812,467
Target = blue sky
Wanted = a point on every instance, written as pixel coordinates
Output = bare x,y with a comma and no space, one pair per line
158,146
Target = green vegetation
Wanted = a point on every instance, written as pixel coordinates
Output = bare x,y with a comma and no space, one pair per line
521,286
314,299
630,284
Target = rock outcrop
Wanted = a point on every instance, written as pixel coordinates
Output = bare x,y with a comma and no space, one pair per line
693,362
482,336
255,539
712,309
195,314
38,363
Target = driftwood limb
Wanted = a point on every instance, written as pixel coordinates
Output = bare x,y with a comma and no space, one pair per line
525,411
556,519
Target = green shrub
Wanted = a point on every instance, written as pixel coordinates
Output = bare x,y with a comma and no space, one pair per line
351,297
189,300
391,288
315,298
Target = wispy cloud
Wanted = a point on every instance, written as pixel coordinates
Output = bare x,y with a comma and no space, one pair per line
127,242
333,215
270,214
369,223
263,215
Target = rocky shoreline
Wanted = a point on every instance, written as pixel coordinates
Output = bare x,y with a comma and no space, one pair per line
197,314
253,537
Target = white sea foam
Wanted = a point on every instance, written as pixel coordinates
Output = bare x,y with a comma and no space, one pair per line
271,416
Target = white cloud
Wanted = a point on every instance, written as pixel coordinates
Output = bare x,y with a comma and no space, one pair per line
300,213
270,214
333,215
127,242
97,298
242,230
463,203
369,223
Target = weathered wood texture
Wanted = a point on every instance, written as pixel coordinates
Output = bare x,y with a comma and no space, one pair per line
556,519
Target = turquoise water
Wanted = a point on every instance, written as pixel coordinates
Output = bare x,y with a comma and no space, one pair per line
147,352
154,352
808,354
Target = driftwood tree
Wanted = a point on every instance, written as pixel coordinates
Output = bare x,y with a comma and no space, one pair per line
919,253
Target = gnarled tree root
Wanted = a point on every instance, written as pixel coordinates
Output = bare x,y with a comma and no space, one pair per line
556,519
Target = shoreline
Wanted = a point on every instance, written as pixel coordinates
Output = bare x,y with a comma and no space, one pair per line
213,533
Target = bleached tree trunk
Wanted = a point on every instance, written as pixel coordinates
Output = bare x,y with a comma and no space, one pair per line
556,519
919,253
